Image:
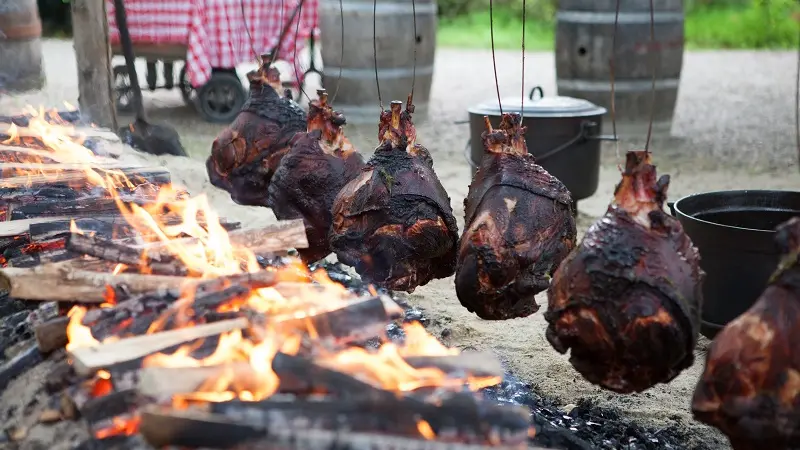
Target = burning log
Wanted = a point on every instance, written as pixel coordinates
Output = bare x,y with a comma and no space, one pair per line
473,364
51,117
751,381
394,223
319,163
88,360
519,226
159,264
200,429
357,320
627,300
164,382
245,154
112,404
460,417
24,360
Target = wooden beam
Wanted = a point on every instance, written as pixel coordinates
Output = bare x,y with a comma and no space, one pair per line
93,55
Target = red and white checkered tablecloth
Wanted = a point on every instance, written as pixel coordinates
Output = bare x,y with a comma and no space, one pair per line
215,32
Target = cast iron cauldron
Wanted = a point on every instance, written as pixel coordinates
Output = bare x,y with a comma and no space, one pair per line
734,232
563,134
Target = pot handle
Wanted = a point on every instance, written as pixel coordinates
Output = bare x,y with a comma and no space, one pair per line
671,206
583,133
533,92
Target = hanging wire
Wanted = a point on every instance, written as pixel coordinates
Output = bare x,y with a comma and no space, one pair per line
296,37
797,98
414,70
494,59
285,31
611,65
341,54
375,49
247,29
522,98
655,69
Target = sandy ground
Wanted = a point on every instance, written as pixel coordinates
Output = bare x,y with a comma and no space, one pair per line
734,117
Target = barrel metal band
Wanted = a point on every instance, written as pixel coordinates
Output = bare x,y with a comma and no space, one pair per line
369,74
16,32
382,9
625,18
619,86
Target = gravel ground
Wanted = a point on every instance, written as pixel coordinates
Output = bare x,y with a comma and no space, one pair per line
733,129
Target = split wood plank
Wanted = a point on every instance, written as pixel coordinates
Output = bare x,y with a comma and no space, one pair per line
77,174
88,360
75,132
276,237
62,167
62,283
18,227
59,157
161,383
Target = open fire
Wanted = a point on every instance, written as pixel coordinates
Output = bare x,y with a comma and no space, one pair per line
191,332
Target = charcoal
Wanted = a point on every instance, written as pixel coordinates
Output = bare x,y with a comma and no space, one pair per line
587,426
14,328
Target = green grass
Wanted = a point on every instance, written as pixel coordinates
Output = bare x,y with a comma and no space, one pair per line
748,27
472,31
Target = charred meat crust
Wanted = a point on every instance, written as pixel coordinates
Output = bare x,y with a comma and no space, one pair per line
519,227
305,185
750,387
394,223
245,155
627,301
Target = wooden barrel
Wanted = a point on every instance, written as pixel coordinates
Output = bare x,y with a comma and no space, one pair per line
21,66
584,34
358,95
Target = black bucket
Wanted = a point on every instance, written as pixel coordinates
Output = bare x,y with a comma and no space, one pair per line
735,234
563,134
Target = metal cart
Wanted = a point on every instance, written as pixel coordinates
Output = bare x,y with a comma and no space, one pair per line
163,42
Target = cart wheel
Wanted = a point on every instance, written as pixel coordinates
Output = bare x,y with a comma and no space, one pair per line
122,89
185,86
221,98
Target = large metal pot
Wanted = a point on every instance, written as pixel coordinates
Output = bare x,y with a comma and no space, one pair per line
735,234
564,135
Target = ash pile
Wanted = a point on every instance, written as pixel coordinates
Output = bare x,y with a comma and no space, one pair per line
133,317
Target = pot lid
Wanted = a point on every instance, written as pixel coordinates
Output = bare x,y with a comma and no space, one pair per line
550,106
